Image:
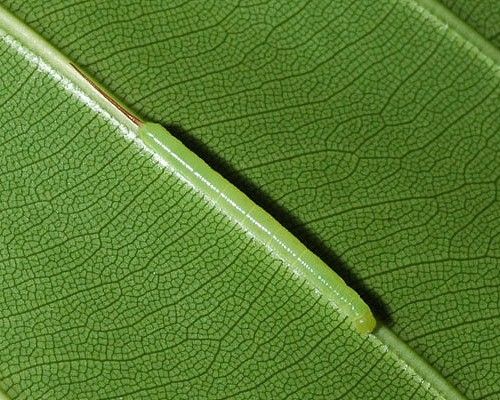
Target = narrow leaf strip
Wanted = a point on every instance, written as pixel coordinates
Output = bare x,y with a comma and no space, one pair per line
50,60
422,371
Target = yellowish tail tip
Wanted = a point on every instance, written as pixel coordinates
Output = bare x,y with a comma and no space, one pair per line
365,324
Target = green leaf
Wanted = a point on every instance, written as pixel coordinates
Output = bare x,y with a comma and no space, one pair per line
370,131
482,15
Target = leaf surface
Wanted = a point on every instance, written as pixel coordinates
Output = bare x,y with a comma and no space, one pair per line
371,132
483,16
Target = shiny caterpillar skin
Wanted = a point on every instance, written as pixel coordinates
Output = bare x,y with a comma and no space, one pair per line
258,223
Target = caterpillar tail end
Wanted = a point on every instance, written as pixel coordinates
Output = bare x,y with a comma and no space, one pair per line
365,324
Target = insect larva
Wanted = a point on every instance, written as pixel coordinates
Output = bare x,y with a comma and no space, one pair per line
258,223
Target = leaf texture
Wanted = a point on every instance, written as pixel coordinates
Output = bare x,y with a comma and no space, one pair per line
120,281
483,16
369,129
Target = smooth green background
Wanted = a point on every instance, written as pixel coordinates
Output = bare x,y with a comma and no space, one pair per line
370,129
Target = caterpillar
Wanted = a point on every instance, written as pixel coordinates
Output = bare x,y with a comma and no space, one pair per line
260,224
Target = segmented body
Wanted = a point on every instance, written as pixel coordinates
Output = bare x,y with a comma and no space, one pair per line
257,222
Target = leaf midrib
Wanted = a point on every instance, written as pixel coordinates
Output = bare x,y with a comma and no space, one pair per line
464,32
45,52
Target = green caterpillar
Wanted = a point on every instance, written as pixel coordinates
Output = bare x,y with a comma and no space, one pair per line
261,225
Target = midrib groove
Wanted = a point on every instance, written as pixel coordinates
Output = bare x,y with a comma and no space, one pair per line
463,30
